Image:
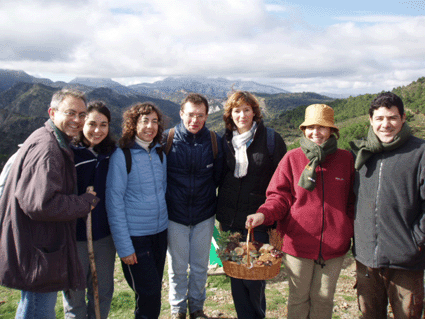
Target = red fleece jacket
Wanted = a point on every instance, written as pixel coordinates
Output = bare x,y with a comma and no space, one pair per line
316,223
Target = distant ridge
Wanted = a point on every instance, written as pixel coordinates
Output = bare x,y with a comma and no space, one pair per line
336,96
215,87
103,83
8,78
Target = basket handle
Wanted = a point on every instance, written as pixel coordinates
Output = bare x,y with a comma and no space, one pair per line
248,237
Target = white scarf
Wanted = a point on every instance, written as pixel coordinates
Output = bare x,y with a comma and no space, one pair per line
239,144
143,143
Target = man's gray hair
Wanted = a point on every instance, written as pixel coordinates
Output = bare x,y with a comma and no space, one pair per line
59,96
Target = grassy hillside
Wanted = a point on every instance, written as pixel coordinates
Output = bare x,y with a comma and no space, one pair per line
351,115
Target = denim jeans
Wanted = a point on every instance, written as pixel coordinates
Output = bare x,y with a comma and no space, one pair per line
145,277
36,305
74,301
188,246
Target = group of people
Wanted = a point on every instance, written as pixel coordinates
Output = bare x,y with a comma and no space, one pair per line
155,197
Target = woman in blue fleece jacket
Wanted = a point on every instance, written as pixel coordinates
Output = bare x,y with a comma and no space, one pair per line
92,150
136,206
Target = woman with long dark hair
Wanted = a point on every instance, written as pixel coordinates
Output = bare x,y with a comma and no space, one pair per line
92,149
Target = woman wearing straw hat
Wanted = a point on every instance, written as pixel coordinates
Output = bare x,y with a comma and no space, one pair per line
311,197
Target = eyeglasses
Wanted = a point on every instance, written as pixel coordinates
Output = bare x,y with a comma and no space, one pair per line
195,116
72,114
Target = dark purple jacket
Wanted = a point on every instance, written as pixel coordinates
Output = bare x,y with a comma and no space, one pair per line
38,212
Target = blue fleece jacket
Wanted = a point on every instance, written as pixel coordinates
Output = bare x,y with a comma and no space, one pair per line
135,202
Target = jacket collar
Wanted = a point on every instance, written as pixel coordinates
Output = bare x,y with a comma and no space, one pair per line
188,136
61,137
260,128
82,148
134,145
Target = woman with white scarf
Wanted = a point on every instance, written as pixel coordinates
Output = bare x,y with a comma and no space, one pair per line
252,154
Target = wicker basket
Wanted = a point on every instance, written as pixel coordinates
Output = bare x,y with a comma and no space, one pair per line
256,272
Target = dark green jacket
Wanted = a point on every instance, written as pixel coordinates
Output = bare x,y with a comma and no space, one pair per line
389,225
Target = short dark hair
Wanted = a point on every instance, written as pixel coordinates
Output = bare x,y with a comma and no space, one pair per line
108,143
237,99
196,99
388,100
59,96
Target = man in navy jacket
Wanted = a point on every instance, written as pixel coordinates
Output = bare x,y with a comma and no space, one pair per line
193,174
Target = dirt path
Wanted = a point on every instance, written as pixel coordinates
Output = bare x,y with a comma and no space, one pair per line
345,301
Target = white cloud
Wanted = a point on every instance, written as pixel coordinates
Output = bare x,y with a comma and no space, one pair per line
229,38
276,8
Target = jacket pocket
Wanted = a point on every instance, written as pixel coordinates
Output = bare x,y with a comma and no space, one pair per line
48,268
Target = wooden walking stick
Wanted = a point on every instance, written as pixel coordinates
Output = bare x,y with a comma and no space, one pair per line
92,262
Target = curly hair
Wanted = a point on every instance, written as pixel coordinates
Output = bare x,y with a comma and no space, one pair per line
130,119
237,99
108,143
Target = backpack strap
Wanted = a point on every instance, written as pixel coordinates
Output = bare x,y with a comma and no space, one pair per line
270,140
214,144
160,153
169,143
127,155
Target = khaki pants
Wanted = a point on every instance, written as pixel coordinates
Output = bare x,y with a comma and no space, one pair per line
403,288
311,287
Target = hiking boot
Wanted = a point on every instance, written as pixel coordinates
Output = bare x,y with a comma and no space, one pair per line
198,314
178,315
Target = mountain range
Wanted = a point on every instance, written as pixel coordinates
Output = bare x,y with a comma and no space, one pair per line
211,87
24,101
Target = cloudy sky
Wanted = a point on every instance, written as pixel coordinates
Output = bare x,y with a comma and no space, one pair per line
330,46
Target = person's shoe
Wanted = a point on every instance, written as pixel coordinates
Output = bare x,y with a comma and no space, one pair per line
198,314
178,315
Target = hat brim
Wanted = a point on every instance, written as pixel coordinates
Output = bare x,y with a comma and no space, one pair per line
320,122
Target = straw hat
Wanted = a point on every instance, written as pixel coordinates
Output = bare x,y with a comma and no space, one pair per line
319,114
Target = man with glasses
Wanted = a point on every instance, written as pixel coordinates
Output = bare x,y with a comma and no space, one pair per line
193,174
39,209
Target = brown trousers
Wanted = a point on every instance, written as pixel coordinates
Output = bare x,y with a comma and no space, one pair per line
403,288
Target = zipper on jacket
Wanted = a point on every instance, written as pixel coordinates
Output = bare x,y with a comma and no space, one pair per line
192,170
321,261
156,190
237,202
375,253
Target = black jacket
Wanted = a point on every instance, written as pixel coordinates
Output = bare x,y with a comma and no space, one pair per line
240,197
92,171
192,176
389,224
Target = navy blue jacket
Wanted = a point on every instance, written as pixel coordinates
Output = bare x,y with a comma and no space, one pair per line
192,176
92,171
